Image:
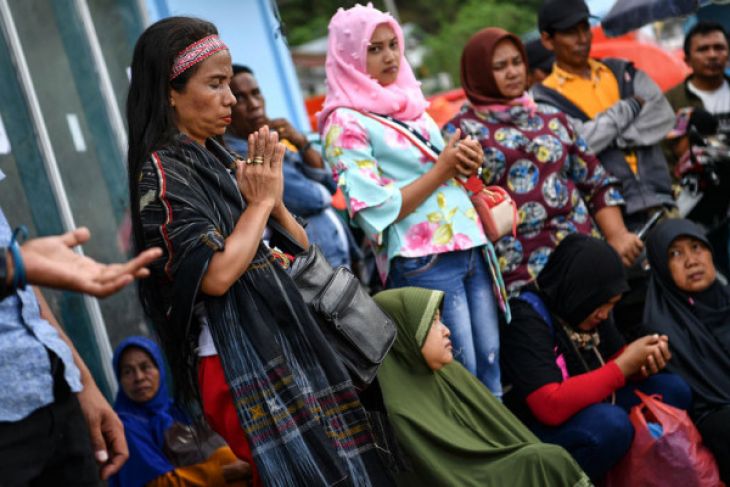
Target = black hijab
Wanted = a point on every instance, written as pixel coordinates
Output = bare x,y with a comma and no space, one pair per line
698,324
582,274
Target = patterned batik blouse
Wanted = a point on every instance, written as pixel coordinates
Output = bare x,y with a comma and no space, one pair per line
557,183
372,162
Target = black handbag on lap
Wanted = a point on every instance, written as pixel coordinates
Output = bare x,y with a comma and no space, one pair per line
188,444
359,331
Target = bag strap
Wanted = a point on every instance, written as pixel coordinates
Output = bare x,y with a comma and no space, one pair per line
473,184
624,71
543,94
421,143
538,305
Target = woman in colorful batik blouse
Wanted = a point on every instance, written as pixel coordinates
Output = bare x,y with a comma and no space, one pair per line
533,152
401,189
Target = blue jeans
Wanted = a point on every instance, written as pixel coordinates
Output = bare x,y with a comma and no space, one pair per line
469,308
601,434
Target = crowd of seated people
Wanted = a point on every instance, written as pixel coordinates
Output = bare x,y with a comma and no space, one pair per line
509,366
571,372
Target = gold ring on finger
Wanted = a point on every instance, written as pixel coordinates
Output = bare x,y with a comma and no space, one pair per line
258,160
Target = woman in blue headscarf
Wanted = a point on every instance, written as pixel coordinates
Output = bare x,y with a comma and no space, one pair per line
156,429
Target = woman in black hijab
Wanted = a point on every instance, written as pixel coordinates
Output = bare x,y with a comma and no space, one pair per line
687,303
568,364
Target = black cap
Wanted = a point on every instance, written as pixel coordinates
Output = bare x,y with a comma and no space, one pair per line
557,15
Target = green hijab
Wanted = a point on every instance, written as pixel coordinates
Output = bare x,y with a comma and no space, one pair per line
451,427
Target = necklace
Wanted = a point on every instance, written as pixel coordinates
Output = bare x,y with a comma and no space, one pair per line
582,340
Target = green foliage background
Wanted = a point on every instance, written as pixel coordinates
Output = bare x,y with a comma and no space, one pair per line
446,24
446,46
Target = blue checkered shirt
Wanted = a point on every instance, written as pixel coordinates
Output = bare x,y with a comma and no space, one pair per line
25,369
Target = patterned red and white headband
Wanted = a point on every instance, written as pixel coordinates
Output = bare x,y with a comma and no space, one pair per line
195,53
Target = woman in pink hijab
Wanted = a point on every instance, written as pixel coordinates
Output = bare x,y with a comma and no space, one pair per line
399,181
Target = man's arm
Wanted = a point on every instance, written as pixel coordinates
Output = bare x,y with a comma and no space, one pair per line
628,245
654,121
51,262
310,156
105,428
607,126
302,195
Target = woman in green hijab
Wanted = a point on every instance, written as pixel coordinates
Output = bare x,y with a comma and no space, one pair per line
454,432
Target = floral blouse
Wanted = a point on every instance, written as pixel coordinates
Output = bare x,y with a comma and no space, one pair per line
371,163
551,174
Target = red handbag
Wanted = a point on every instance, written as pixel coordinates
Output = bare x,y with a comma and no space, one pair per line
495,207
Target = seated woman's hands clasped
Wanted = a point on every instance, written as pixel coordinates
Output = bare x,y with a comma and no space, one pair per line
647,355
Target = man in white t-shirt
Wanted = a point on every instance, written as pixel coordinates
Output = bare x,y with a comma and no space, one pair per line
706,52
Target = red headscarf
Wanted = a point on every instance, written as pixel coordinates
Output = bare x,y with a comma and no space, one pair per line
477,78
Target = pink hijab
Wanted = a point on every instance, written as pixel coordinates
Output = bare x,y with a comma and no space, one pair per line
349,85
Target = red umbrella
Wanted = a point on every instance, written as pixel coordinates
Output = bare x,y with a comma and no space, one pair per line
666,68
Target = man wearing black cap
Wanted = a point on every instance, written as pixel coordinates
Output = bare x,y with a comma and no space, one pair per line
621,113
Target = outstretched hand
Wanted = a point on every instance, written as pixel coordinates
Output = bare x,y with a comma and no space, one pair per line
51,262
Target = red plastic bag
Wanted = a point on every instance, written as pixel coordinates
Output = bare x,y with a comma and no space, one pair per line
677,457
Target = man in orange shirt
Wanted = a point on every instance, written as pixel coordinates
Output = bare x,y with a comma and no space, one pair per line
619,110
622,115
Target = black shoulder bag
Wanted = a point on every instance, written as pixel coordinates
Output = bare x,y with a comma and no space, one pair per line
359,331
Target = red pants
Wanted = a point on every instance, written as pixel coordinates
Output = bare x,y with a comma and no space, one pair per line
220,412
